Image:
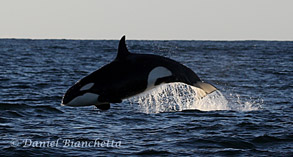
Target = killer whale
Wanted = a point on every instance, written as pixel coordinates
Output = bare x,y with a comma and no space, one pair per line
128,75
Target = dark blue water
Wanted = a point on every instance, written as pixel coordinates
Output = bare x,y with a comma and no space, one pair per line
256,78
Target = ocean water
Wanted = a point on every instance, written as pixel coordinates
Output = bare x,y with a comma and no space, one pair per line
250,115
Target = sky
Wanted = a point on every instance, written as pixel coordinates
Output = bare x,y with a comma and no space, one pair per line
147,19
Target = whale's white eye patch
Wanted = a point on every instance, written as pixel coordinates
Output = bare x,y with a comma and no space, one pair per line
87,86
156,73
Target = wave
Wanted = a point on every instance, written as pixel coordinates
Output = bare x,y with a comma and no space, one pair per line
271,139
153,152
14,108
10,106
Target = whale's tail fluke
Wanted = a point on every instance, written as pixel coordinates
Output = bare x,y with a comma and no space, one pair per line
205,88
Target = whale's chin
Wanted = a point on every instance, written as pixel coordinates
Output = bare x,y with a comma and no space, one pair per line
86,99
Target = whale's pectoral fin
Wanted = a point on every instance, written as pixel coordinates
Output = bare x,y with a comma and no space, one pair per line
103,106
109,99
105,102
207,88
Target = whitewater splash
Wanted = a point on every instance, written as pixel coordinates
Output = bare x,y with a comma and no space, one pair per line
179,96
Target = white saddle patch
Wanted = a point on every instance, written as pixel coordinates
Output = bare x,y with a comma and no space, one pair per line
156,73
87,86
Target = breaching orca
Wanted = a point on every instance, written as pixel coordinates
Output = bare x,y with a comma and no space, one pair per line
128,75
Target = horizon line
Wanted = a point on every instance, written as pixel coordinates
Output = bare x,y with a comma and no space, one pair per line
143,39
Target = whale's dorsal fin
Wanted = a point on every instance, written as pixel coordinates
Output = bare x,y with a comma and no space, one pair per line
122,49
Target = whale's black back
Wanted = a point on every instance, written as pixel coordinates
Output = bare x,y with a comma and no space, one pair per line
128,76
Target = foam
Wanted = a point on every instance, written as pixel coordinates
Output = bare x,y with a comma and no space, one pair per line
174,97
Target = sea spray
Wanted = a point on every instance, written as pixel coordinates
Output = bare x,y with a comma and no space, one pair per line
242,103
174,97
177,97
